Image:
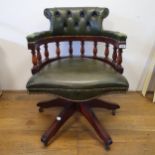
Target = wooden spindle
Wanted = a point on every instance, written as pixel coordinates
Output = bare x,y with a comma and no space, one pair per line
38,55
46,51
34,57
119,56
82,48
95,49
70,49
106,53
57,49
114,56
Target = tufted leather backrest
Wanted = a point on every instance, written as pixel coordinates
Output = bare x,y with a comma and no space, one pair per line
76,21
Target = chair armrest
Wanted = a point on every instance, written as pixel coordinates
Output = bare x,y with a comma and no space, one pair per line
115,35
32,38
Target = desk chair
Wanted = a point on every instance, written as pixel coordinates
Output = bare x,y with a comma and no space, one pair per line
77,81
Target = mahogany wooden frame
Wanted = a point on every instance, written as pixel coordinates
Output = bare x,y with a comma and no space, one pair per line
82,106
70,107
115,61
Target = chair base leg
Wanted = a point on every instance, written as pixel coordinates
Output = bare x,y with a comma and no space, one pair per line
51,103
70,108
66,113
104,104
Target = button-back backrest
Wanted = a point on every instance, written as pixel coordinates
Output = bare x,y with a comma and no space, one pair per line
76,21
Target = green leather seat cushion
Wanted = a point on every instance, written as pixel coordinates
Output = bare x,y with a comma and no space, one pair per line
77,78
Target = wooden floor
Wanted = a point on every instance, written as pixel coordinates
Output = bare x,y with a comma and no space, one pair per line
21,125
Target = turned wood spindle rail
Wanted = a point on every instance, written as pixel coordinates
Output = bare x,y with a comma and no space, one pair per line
39,55
119,57
70,49
95,49
57,49
82,48
106,53
34,57
46,51
115,61
114,56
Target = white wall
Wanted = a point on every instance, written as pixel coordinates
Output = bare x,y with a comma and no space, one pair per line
21,17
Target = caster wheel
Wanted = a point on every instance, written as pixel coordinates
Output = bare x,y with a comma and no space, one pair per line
107,144
113,112
41,109
43,140
45,144
107,147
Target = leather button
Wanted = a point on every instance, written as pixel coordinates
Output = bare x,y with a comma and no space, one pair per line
88,23
94,13
57,14
82,14
69,13
65,24
76,24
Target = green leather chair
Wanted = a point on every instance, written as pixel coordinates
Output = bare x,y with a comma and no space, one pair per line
77,81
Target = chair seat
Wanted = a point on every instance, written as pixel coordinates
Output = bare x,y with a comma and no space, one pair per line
77,79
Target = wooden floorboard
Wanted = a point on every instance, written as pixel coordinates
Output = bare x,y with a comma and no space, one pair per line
21,125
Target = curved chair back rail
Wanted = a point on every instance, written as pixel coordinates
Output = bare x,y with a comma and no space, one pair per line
115,61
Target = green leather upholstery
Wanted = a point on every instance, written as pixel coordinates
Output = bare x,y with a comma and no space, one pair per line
77,78
38,35
76,22
115,35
